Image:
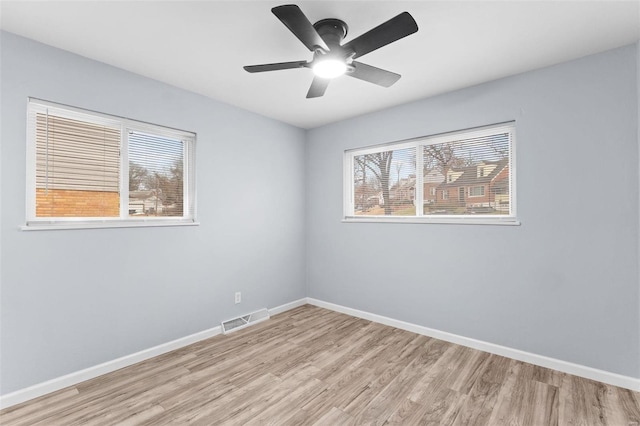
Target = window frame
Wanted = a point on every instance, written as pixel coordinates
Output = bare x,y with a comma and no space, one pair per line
126,126
482,192
511,218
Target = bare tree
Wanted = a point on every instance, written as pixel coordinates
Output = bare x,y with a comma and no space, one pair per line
500,148
440,157
137,176
380,165
168,186
361,194
176,194
398,169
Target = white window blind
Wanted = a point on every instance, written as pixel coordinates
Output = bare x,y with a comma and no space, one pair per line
466,176
76,154
156,175
93,169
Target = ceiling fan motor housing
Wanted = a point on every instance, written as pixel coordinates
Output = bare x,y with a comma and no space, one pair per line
332,31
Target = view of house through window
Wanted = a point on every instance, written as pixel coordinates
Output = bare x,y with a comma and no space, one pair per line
89,167
156,167
463,174
473,171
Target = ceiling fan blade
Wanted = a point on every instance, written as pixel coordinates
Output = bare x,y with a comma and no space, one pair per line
276,66
299,25
392,30
373,75
318,87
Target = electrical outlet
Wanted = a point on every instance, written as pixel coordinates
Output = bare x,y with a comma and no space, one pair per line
238,297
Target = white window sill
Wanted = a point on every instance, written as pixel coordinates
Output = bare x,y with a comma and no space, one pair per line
434,220
99,225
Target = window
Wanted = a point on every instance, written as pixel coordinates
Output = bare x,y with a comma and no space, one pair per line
398,182
476,191
93,170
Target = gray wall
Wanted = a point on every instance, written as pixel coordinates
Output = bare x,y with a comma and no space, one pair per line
73,299
563,284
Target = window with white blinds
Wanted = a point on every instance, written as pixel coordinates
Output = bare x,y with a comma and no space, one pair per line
459,177
88,169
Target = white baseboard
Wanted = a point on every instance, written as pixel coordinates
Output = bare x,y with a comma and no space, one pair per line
89,373
71,379
53,385
287,306
543,361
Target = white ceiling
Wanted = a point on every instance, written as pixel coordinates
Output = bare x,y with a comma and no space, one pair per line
201,46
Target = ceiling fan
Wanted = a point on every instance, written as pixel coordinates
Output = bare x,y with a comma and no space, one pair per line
330,58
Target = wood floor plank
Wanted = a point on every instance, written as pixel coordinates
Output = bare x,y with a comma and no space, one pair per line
438,408
479,405
628,406
385,373
335,417
217,406
405,412
260,403
388,400
353,382
437,377
548,376
311,366
28,411
287,406
483,395
581,401
524,401
85,407
468,371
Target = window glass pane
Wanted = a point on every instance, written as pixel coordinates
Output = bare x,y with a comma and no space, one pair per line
384,183
476,191
156,175
77,168
470,176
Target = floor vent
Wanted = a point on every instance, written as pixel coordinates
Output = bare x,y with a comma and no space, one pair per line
245,321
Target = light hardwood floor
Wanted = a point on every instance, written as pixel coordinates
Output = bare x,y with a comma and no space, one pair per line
311,366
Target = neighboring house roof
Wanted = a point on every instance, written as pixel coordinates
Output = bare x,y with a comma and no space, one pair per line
402,187
142,195
500,184
407,182
433,176
469,175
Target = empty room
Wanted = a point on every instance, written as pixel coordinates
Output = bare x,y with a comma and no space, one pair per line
320,213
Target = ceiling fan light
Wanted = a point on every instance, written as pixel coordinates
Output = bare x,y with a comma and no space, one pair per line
329,68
